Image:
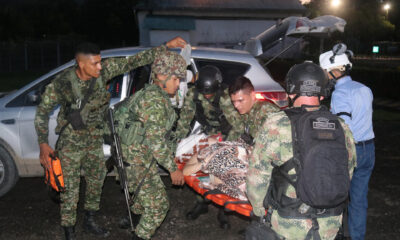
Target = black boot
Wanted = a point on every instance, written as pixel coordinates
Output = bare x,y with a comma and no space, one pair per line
69,233
124,222
135,237
223,219
91,226
198,209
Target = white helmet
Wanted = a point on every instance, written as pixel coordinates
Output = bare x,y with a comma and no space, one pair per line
336,58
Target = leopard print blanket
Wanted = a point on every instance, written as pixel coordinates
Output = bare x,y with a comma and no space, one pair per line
227,163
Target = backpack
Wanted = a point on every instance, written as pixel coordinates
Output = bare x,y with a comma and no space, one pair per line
129,129
320,160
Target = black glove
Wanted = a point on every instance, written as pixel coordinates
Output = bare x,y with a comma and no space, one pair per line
225,128
247,138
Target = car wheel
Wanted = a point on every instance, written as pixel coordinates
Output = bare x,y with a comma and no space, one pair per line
8,172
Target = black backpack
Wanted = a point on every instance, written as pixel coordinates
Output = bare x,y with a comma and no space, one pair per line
320,159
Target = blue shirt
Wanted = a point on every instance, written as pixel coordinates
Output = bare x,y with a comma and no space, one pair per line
356,99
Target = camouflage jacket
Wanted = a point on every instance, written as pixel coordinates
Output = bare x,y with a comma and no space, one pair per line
67,90
252,120
154,110
273,145
189,109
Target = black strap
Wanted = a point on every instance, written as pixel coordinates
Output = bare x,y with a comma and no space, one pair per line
235,202
199,115
88,93
142,181
343,113
345,223
210,192
313,233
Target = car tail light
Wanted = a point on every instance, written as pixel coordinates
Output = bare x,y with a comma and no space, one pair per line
299,23
279,98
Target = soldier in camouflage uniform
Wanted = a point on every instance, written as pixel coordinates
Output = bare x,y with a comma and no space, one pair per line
209,104
248,117
152,116
83,148
273,147
252,112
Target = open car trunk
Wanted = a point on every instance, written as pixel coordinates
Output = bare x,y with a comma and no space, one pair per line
298,27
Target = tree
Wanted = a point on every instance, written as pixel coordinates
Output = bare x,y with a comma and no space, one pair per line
365,21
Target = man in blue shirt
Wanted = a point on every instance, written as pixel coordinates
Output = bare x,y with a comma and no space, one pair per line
352,101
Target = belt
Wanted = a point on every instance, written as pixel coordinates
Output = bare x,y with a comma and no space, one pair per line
365,142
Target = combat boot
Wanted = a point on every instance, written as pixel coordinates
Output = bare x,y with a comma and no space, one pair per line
125,223
135,237
69,233
198,209
89,225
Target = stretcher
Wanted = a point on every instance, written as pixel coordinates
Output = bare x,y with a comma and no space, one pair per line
217,197
185,150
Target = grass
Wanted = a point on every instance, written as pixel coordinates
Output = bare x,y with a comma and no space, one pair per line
16,80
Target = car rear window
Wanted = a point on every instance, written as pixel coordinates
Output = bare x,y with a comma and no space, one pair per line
230,70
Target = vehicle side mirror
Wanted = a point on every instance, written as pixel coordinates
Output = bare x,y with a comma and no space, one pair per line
33,97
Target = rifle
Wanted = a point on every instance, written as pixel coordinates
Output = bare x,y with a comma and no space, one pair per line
120,164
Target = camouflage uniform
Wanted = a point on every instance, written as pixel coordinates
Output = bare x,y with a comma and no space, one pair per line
154,111
273,144
189,109
252,120
83,148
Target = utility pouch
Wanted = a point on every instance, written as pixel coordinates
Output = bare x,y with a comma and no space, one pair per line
75,118
133,133
259,231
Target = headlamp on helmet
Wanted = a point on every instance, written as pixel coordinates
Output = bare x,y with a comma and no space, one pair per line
337,58
307,79
209,80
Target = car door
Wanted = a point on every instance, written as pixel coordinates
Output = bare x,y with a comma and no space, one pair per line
27,103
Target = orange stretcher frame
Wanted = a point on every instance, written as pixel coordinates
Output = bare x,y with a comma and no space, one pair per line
229,203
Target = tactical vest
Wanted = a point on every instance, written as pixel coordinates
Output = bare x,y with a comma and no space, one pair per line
129,128
94,111
320,160
217,114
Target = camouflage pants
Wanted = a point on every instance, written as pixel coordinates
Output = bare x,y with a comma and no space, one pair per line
78,152
297,229
151,202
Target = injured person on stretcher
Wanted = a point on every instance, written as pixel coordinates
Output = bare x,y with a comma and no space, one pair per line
226,163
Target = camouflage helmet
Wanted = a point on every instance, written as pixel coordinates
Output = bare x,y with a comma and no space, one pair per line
169,63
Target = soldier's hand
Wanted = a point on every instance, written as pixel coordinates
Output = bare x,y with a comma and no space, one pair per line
45,151
177,178
176,42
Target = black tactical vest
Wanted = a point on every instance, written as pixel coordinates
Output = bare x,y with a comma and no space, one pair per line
217,114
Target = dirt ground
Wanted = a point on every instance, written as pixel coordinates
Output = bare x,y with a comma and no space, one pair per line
28,213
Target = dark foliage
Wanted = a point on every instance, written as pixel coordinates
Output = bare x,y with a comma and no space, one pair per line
108,23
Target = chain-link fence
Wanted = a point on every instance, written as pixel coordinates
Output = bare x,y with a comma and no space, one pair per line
34,56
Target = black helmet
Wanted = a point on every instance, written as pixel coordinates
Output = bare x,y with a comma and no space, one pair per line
307,79
209,81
